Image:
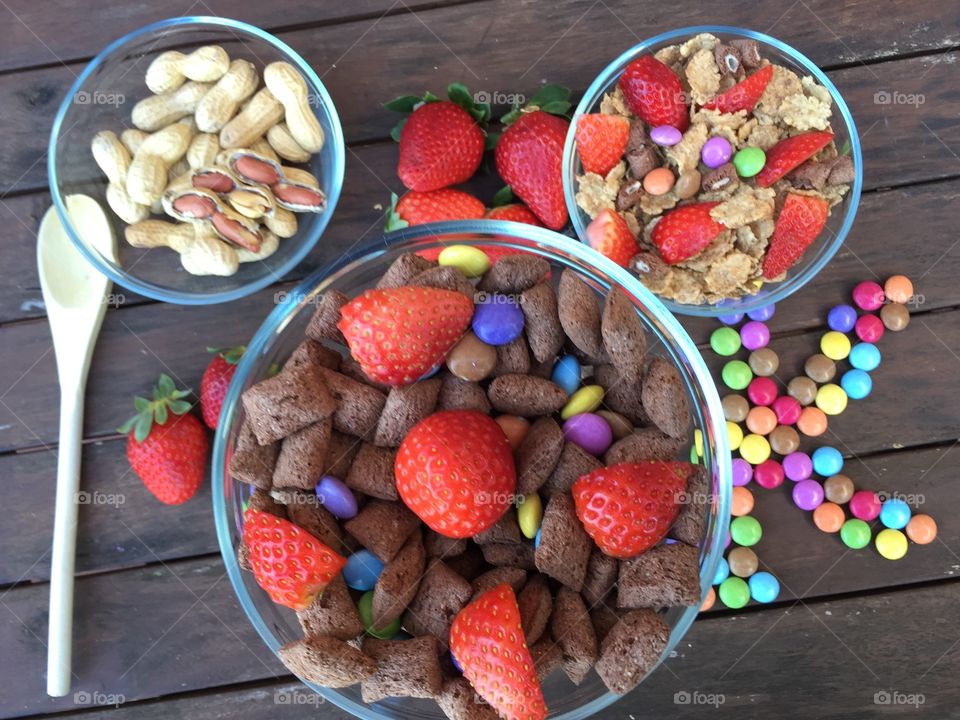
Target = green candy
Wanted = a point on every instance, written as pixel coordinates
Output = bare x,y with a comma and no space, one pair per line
694,458
736,374
734,592
745,531
855,534
749,161
725,341
365,606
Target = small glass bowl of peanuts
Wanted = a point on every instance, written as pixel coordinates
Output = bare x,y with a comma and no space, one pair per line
213,148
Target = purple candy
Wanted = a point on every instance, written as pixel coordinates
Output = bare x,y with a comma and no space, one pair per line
716,152
742,471
336,497
726,544
497,320
797,466
842,318
665,135
754,335
591,432
808,494
731,319
763,313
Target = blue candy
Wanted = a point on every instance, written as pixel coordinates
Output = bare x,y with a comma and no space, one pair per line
731,319
827,461
336,497
762,314
497,320
856,384
895,514
723,572
842,318
362,570
764,587
566,374
536,540
864,356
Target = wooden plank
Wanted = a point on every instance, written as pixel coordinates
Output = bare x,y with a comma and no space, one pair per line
841,655
904,142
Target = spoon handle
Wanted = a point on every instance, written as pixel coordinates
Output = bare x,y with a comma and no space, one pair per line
60,638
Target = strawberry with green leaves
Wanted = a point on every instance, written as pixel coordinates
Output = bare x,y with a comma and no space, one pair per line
685,231
798,224
289,563
601,141
609,234
441,141
398,335
628,507
166,445
529,154
215,381
417,208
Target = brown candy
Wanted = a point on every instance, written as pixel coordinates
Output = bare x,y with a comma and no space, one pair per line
764,362
472,359
743,562
735,407
784,440
620,425
895,316
802,389
838,489
820,368
687,185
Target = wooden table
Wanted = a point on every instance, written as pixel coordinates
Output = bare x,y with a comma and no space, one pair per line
158,627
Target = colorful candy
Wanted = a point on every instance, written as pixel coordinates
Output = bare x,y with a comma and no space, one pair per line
764,587
835,345
722,573
831,399
731,319
709,600
802,389
745,530
764,313
590,431
736,374
855,534
741,502
743,562
658,181
807,494
922,529
735,435
768,474
566,373
898,289
761,420
895,514
762,391
797,466
585,400
842,318
749,161
827,461
857,384
829,517
784,440
891,544
665,135
469,260
865,356
734,592
362,570
754,335
619,425
735,407
365,609
725,341
742,472
838,489
865,505
820,368
869,328
472,359
764,362
336,497
787,409
497,320
716,152
530,515
868,295
754,449
895,317
812,422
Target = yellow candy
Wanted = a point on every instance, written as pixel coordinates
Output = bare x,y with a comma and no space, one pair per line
735,434
698,442
586,399
891,544
835,345
754,449
831,399
530,515
471,261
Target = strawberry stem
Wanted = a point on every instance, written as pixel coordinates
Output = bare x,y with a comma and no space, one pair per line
231,354
392,220
166,399
553,99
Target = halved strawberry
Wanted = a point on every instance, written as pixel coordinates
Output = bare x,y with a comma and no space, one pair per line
610,236
653,92
800,221
601,141
515,212
287,561
744,95
455,471
789,153
400,334
416,208
487,639
627,508
685,231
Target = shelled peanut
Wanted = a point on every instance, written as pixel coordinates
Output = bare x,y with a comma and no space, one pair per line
206,149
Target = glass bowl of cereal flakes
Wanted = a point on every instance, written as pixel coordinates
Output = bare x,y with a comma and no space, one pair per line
718,164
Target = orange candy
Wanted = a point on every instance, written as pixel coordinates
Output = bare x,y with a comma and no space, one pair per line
515,428
709,600
898,288
658,181
922,529
761,420
829,517
741,501
812,422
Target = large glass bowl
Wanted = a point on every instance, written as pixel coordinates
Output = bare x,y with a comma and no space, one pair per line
283,330
102,98
845,134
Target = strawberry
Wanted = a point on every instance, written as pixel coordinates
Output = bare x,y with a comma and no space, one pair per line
215,381
601,141
685,231
168,446
287,561
798,224
789,153
653,92
441,142
416,208
610,236
455,471
744,95
627,508
400,334
529,154
515,212
487,640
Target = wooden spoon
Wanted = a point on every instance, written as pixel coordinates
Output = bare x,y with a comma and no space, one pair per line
75,295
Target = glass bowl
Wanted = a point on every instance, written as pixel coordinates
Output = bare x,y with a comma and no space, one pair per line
845,132
283,330
102,98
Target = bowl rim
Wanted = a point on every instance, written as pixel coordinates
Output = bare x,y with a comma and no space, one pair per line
334,134
786,288
720,455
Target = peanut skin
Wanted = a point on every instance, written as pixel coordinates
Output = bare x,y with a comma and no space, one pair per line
289,87
158,111
220,104
281,140
259,115
111,156
169,70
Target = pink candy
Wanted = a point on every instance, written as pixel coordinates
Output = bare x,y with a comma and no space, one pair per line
788,409
868,295
869,328
762,391
865,505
